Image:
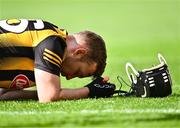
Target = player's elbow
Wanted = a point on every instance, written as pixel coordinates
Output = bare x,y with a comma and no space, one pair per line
49,97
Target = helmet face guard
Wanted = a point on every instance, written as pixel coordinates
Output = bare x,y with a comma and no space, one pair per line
152,82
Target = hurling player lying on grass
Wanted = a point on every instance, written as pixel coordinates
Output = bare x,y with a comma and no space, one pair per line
36,52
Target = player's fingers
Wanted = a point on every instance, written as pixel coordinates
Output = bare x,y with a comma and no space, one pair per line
105,79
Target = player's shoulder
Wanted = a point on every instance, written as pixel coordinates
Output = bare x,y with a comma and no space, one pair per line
54,40
53,43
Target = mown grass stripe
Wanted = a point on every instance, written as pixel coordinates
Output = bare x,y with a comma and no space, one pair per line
128,111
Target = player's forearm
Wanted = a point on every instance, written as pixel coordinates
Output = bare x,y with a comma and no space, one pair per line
19,95
69,94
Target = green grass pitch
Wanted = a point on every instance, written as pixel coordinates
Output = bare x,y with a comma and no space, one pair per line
134,31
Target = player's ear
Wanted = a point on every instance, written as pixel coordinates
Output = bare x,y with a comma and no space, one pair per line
79,52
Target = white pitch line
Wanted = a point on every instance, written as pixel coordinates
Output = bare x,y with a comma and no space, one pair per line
133,111
126,111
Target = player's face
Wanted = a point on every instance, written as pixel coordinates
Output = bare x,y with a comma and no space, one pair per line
72,68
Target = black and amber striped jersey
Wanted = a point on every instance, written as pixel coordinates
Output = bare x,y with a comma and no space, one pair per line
28,44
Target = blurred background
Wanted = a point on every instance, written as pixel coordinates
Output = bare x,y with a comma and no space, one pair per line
134,30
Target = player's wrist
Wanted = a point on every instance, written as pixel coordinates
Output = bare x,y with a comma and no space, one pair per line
87,90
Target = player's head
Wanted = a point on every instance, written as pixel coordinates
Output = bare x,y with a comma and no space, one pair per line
86,55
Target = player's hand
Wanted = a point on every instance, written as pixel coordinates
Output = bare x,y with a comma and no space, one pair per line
100,88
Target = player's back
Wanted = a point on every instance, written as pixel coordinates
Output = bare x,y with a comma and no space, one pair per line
17,40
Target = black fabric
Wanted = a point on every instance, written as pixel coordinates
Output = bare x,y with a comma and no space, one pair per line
98,88
55,44
16,51
11,74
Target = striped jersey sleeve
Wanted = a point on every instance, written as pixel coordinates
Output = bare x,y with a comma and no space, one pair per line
48,54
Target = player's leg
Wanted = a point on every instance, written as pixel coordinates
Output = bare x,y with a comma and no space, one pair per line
2,91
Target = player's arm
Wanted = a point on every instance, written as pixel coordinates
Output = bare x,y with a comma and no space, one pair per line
19,95
49,88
